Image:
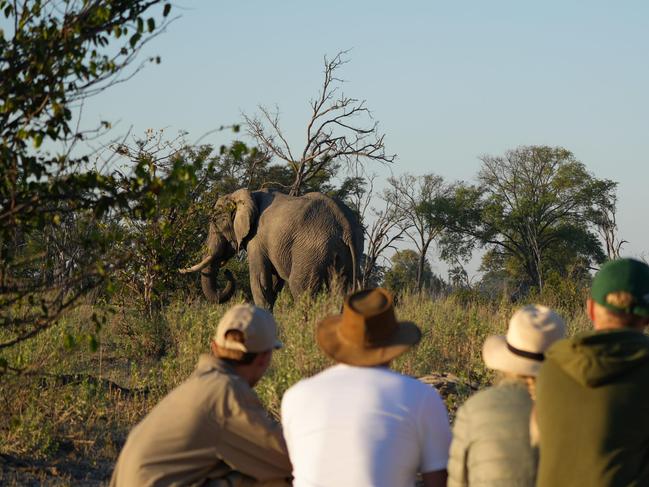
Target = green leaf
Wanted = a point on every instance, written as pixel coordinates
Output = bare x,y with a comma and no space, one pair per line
150,24
166,10
69,341
135,38
93,343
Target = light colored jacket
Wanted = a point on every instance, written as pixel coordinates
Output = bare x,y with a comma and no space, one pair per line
210,430
491,439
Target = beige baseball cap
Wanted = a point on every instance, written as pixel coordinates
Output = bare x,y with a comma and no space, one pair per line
257,325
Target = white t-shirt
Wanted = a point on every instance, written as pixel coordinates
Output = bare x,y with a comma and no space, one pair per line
364,426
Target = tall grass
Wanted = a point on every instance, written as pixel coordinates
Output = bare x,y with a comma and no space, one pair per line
80,403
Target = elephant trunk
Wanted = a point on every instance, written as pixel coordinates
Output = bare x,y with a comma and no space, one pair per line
210,287
219,251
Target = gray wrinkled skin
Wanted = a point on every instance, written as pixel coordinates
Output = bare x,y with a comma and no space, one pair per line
297,241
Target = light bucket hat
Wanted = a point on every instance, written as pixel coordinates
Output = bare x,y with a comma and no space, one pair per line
532,329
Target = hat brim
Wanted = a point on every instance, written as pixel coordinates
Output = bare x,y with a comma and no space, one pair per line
331,343
497,356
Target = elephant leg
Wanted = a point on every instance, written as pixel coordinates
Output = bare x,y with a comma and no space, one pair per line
278,284
305,280
263,282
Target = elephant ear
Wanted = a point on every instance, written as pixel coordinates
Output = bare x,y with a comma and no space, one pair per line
245,216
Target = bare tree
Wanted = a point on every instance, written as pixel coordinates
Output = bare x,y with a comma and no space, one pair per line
385,230
417,200
381,235
380,227
340,130
608,232
603,216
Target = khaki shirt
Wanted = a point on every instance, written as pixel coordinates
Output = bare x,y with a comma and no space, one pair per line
210,430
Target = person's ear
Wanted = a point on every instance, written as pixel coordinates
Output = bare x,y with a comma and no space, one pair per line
590,309
263,358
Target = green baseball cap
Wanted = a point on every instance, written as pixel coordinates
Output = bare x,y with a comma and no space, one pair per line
622,285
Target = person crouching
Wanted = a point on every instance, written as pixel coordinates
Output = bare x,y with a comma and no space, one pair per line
212,429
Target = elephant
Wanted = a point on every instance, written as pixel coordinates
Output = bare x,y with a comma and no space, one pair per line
292,240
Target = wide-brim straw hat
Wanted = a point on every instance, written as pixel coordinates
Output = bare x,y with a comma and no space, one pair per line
532,329
367,332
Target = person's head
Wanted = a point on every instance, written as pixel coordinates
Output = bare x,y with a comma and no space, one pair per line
367,332
245,338
532,329
619,296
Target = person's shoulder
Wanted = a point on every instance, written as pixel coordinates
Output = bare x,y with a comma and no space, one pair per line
414,384
301,393
480,399
417,391
315,381
218,378
498,395
220,385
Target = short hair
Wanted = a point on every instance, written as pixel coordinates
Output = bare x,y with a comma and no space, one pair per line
608,317
235,357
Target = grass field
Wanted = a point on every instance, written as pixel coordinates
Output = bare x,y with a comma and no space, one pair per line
65,422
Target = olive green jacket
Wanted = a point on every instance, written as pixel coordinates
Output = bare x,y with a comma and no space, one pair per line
210,430
593,411
491,441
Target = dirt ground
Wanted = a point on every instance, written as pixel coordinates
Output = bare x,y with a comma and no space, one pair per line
63,471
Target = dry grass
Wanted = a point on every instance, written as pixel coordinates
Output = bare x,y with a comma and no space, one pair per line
67,427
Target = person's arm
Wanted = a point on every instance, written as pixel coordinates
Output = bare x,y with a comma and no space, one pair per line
457,462
436,438
251,442
535,435
434,479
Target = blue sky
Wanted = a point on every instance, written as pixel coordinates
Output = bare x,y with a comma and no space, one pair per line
447,81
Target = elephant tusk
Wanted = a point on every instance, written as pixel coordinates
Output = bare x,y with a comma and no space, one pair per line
198,267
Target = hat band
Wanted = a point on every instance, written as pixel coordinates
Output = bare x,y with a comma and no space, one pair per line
539,357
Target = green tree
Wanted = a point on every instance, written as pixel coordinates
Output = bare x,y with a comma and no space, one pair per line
175,234
239,166
603,216
54,55
532,210
404,271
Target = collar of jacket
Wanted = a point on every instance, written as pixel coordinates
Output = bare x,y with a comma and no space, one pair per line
208,362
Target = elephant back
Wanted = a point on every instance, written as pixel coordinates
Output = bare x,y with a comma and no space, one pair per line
352,230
